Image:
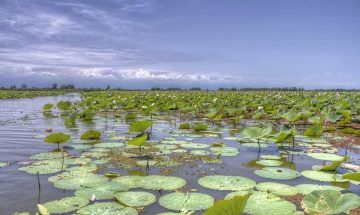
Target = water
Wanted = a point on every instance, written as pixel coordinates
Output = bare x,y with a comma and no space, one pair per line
23,125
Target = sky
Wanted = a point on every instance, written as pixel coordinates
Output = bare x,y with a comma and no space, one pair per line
180,43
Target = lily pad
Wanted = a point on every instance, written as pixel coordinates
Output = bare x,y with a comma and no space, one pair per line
325,156
305,189
102,192
195,145
222,182
270,157
186,201
43,168
79,181
322,176
255,145
330,202
48,155
226,151
132,181
262,203
106,208
160,182
109,145
135,199
269,162
277,188
3,164
277,173
65,205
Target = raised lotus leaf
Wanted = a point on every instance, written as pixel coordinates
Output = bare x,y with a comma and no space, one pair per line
308,188
323,176
263,203
234,206
314,131
135,198
186,201
91,135
223,182
354,176
277,173
65,205
330,202
238,193
106,208
57,138
102,192
326,156
277,188
138,141
269,162
256,132
226,151
140,126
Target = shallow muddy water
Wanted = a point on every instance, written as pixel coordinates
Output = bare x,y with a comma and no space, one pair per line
23,125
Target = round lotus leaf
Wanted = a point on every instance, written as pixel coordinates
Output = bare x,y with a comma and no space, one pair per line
199,152
160,182
135,199
76,161
277,188
223,182
270,157
262,203
48,155
256,145
326,156
106,208
322,176
132,181
308,188
186,201
79,181
195,145
269,162
65,205
238,193
43,168
3,164
83,168
109,145
102,192
226,151
277,173
330,202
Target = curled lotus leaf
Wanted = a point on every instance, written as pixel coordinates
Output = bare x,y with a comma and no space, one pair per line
186,201
277,188
269,162
330,202
135,198
263,203
223,182
65,205
323,176
277,173
308,188
106,208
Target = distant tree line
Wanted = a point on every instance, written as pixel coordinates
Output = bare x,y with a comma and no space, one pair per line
108,87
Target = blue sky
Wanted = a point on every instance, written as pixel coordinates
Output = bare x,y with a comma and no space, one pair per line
183,43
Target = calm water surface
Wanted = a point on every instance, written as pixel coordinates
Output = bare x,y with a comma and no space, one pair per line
22,128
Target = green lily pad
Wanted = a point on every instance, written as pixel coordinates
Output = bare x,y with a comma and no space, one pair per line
325,156
226,151
48,155
330,202
269,162
195,145
305,189
109,145
132,181
160,182
135,199
322,176
270,157
277,173
199,152
186,201
83,168
79,181
65,205
256,145
262,203
44,167
222,182
3,164
106,208
277,188
102,192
